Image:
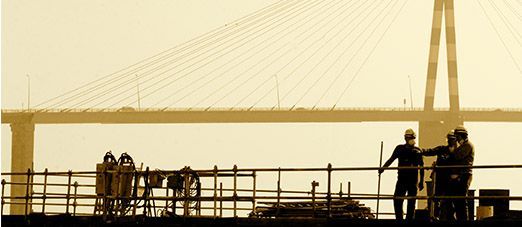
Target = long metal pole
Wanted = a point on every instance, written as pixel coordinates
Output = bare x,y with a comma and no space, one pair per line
379,183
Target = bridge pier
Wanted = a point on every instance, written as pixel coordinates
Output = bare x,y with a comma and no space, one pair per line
432,134
22,156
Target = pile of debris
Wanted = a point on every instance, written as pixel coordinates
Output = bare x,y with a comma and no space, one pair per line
340,208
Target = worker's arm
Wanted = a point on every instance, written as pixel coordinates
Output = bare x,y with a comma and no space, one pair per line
432,151
421,181
390,160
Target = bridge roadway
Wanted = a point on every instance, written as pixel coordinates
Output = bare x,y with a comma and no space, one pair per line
257,115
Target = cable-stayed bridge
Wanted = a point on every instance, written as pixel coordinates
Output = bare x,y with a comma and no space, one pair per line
292,61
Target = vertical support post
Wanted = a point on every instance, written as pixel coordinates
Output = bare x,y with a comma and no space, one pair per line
278,191
74,197
68,197
3,201
44,196
341,189
235,190
379,183
349,189
329,192
220,199
254,191
187,193
22,150
314,184
215,190
27,192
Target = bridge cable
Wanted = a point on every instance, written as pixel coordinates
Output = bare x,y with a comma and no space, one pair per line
257,20
275,60
189,42
508,24
370,54
512,9
248,51
298,66
208,62
500,37
157,68
309,72
311,32
338,58
324,57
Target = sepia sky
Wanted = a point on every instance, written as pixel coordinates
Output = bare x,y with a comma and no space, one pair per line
61,44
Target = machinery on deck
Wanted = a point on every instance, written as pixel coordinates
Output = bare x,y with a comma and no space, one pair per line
122,189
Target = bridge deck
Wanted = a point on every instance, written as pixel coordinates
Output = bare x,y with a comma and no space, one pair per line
129,115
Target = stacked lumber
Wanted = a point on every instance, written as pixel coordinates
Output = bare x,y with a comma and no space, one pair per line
340,208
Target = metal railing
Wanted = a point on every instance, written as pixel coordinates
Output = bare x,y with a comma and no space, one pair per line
78,191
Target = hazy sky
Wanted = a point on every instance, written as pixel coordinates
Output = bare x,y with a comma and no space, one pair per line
62,44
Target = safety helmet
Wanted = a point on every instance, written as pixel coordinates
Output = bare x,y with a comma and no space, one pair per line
451,135
461,130
409,133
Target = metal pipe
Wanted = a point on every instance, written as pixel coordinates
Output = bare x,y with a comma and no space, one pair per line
3,190
44,190
27,191
254,191
379,182
215,190
68,192
235,190
278,192
74,198
329,188
220,201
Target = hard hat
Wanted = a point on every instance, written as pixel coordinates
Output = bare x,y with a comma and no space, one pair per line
461,130
409,133
451,134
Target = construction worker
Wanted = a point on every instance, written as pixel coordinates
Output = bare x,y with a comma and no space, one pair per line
441,177
460,178
407,179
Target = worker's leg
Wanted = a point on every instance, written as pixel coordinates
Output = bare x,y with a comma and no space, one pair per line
400,190
461,207
412,191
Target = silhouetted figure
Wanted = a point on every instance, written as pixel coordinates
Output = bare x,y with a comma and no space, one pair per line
407,179
460,178
443,209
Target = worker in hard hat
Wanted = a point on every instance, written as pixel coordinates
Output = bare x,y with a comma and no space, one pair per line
443,210
407,179
460,178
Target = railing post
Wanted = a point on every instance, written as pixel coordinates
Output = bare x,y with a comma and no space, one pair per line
69,173
27,191
254,191
329,194
187,193
349,189
3,202
146,203
220,199
314,184
44,196
74,198
278,192
215,189
235,191
341,190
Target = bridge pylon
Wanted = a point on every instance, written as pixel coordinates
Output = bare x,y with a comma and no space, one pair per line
433,133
